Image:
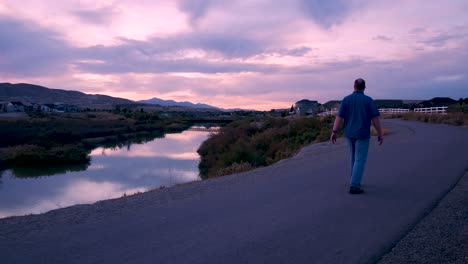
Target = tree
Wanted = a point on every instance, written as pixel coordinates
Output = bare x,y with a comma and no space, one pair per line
460,101
292,109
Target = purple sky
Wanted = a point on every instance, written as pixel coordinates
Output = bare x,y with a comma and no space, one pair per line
259,54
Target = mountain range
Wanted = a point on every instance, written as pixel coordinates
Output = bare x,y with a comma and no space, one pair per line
161,102
30,93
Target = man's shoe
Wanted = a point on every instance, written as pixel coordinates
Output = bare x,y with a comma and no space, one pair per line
355,190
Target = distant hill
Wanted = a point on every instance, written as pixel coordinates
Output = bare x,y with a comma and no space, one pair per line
161,102
389,103
29,93
437,101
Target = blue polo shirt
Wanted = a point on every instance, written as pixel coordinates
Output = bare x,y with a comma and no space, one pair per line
357,110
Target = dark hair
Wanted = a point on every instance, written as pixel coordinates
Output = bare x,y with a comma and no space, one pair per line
359,84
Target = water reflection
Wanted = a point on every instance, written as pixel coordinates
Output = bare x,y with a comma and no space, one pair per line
25,172
110,174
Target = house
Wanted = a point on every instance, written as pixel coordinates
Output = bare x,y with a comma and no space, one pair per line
306,107
3,106
71,108
14,107
35,107
61,108
47,107
28,107
331,105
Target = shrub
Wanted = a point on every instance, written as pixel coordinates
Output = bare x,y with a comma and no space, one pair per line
258,142
33,155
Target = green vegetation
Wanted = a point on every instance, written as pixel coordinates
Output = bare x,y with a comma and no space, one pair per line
460,107
46,139
250,143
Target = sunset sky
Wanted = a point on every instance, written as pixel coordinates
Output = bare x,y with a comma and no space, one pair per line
257,54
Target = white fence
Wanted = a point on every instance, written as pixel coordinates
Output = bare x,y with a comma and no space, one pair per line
432,110
393,110
329,112
424,110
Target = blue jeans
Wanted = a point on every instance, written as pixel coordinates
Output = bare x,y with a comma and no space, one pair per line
358,149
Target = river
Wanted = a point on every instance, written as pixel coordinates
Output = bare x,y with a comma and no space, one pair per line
111,173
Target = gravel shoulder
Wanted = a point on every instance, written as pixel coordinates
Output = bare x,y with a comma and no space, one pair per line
441,236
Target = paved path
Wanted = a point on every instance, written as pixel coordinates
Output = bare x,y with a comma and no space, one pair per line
297,211
441,237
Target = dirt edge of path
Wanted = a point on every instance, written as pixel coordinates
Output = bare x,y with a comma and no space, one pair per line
441,236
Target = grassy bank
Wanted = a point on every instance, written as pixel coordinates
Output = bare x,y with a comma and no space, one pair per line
246,144
455,119
67,138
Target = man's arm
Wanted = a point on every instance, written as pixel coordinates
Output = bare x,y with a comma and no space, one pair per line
378,127
336,126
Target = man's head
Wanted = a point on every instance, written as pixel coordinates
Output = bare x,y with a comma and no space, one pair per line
359,84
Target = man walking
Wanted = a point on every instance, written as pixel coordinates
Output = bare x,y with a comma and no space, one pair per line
357,111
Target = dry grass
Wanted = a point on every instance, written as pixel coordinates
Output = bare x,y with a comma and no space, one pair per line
455,119
234,168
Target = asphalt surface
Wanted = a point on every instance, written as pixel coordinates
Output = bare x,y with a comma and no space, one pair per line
441,237
296,211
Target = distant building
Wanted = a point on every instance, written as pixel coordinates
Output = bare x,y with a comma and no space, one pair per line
14,107
3,106
306,107
331,105
47,108
34,107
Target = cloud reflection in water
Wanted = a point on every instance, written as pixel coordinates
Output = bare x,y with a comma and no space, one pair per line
111,174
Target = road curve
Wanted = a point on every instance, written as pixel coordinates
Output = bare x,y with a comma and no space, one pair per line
296,211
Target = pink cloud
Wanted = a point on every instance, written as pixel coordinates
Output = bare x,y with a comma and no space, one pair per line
279,52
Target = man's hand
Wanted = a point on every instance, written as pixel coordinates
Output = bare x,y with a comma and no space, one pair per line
378,127
336,126
333,138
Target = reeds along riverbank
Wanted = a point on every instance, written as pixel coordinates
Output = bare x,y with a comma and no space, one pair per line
67,138
252,143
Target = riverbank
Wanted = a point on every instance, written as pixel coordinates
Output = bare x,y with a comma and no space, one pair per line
252,143
46,139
